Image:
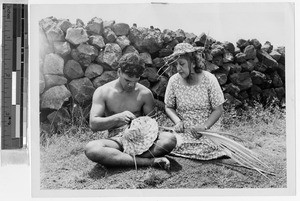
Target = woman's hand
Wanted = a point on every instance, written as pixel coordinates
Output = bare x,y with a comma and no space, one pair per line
195,131
179,127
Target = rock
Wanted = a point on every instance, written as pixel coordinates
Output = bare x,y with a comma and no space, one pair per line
82,90
121,29
42,83
256,44
227,66
231,89
267,47
159,88
54,80
54,97
146,40
130,49
45,47
79,23
240,57
53,64
258,78
275,55
146,57
60,116
104,78
229,47
93,70
122,41
248,66
210,67
231,101
97,41
95,26
281,71
111,55
276,80
280,92
62,48
268,95
158,62
217,50
242,43
236,68
168,35
55,34
228,57
250,52
165,52
47,23
255,92
203,39
145,83
64,24
84,54
221,77
73,70
266,59
76,35
281,51
172,44
150,74
218,60
242,80
260,67
180,35
189,37
109,35
108,24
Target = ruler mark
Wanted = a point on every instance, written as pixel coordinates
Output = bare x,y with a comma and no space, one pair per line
17,125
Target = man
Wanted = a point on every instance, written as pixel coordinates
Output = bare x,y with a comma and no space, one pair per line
114,105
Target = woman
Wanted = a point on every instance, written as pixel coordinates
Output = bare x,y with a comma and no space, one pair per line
193,101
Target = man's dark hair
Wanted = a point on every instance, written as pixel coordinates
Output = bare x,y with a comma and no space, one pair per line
132,65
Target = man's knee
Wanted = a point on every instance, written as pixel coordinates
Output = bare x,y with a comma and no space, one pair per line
168,140
93,150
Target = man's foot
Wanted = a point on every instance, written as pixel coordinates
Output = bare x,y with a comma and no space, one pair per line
163,162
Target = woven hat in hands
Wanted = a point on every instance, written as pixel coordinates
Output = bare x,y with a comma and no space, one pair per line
183,48
140,136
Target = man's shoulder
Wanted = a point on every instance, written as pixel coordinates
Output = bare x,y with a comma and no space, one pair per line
105,88
143,89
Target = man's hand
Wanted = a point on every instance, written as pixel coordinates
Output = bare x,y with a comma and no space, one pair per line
179,127
126,117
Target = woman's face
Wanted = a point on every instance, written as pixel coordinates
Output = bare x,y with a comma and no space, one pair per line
182,66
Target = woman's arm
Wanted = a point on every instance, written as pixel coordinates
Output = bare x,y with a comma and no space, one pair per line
174,117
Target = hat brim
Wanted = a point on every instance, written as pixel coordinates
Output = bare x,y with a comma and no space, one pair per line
179,53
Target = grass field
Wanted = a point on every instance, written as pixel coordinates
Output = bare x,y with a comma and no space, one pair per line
65,166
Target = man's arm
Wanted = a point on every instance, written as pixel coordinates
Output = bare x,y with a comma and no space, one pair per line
148,107
98,121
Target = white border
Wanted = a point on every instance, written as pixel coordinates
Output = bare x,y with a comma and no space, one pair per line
35,150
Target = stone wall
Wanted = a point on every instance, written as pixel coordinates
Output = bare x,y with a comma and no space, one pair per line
77,58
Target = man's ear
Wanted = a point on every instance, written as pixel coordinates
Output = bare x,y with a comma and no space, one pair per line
118,72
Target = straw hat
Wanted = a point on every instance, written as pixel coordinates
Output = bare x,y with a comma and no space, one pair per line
183,48
140,136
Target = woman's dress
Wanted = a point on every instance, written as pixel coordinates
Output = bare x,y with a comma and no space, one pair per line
193,105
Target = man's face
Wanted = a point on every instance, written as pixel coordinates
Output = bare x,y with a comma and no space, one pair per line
128,83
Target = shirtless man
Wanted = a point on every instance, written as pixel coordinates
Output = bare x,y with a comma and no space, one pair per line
114,105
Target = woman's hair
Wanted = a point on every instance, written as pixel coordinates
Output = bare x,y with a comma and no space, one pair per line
196,59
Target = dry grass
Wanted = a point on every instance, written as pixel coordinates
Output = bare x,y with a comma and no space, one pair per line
64,165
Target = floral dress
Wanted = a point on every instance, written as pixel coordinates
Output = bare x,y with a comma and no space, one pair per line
193,105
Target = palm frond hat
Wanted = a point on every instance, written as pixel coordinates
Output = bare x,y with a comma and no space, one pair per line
181,49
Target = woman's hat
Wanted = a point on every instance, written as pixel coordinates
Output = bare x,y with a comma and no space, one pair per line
183,48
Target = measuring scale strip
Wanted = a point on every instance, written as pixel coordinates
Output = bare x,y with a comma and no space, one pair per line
14,76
